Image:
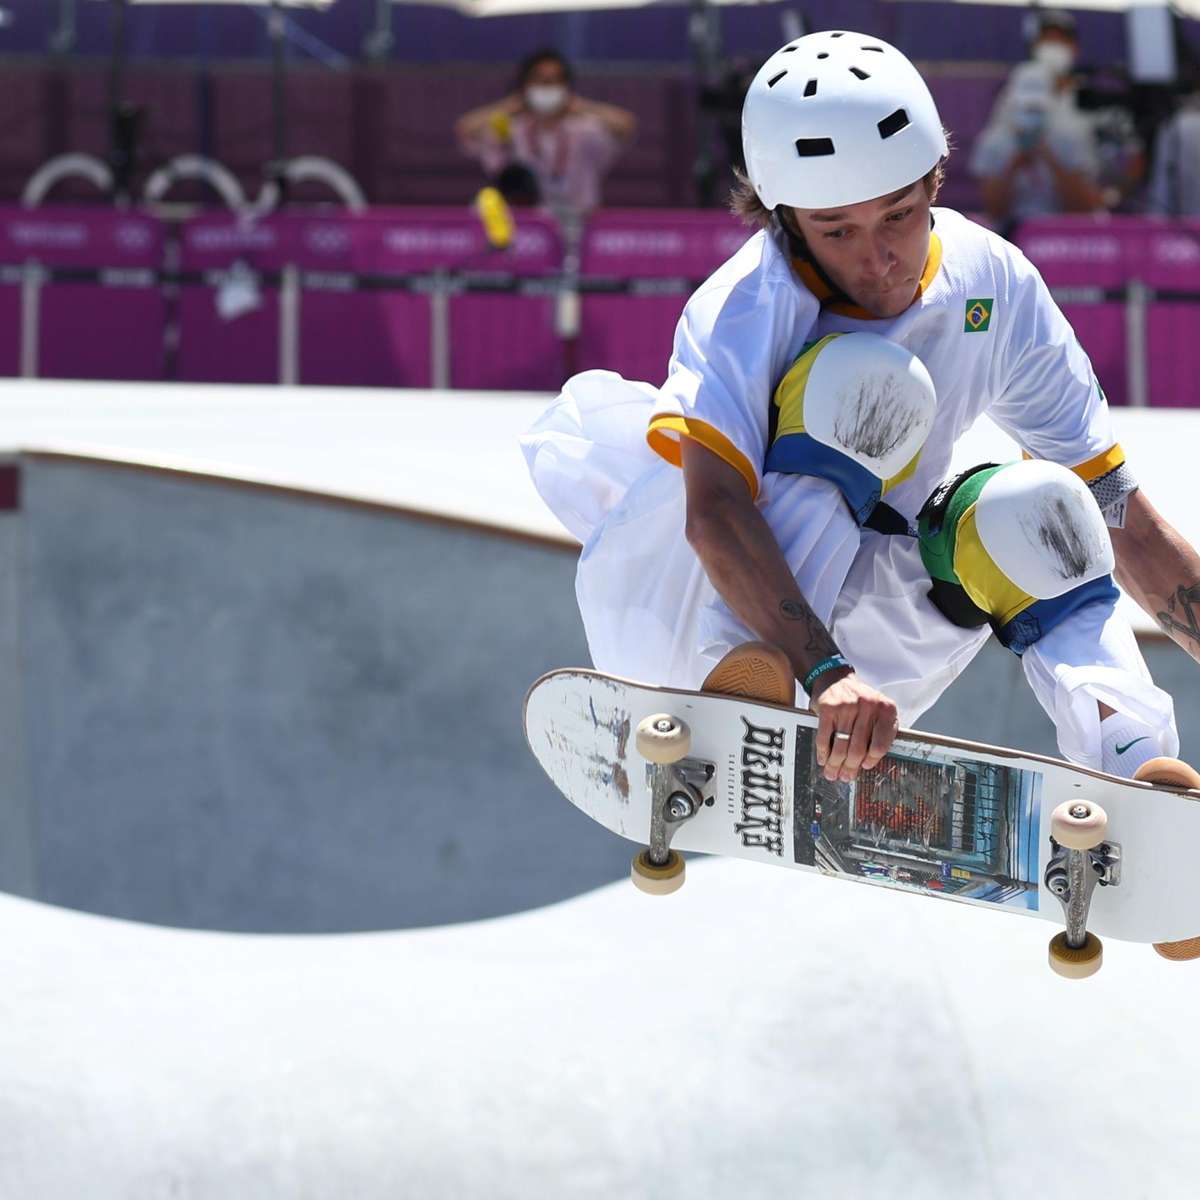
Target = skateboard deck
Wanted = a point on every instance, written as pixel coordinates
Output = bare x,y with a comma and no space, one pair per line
939,816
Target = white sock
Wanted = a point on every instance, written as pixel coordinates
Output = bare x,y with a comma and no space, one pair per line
1125,743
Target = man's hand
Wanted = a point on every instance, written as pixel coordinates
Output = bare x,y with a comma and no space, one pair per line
744,563
857,726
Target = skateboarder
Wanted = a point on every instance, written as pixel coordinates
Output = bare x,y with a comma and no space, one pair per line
844,152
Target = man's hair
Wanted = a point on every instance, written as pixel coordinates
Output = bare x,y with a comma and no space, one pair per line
744,201
546,54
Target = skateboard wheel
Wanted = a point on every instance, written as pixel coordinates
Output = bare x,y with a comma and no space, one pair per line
662,738
1078,824
1076,962
656,880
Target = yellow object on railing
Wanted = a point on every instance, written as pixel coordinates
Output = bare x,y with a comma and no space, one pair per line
496,217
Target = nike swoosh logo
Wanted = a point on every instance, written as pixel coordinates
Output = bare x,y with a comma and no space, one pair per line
1122,749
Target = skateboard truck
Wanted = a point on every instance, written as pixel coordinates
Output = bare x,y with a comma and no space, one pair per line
676,784
1081,859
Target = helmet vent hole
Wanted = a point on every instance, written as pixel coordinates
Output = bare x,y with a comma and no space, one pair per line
789,49
833,35
890,126
872,49
814,147
823,54
772,82
858,73
810,88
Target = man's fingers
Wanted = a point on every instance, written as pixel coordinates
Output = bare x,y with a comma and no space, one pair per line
825,732
854,732
882,737
858,744
839,747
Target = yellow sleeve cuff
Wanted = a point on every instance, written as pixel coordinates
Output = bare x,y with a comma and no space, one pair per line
659,436
1095,467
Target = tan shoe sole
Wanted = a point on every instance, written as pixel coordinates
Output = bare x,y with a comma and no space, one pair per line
755,671
1174,773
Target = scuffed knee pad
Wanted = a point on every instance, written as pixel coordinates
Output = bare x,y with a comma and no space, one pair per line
1020,546
854,409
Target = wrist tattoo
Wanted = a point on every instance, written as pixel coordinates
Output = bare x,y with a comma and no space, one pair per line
1182,614
819,642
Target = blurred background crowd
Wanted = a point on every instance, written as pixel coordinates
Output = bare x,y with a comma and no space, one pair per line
555,173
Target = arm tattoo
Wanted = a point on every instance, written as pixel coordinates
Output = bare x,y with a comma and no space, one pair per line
1182,615
819,641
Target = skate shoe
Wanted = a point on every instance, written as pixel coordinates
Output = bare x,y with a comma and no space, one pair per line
756,671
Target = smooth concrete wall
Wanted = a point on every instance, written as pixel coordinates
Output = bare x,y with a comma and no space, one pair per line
247,710
228,707
17,816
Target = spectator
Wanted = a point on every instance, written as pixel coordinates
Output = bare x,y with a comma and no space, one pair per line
1038,153
565,142
1175,182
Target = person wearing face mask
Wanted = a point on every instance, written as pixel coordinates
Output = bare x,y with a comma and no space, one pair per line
566,143
1038,153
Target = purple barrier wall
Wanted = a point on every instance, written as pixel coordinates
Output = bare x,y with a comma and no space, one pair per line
1172,262
501,340
108,326
1107,253
105,314
1071,254
632,334
220,340
352,335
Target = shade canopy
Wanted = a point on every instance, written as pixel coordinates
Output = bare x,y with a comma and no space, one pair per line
504,8
259,3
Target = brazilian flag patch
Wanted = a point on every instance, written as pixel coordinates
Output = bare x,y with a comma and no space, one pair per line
979,316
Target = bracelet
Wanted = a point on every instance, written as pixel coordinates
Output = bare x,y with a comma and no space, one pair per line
832,663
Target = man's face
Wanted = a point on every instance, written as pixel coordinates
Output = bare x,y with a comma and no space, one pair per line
875,251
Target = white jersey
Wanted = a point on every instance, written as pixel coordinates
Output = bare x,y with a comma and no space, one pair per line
984,324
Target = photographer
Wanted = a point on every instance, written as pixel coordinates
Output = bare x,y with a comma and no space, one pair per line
1038,154
1175,183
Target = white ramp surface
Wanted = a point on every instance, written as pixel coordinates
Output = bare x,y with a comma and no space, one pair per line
759,1034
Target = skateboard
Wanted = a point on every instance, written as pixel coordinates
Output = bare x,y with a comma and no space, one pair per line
982,825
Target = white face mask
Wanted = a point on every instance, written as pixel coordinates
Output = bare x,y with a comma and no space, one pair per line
546,98
1056,57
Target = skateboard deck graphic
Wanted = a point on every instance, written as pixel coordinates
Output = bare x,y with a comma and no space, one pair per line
941,817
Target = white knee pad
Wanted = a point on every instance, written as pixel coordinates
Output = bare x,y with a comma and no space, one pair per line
855,409
1042,527
1019,546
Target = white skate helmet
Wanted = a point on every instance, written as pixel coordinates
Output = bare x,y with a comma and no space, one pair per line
838,118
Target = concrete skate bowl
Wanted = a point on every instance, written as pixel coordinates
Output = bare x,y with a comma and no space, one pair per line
236,707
